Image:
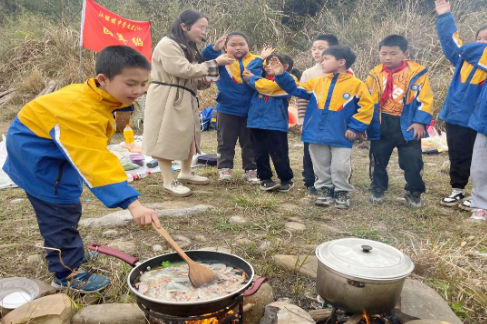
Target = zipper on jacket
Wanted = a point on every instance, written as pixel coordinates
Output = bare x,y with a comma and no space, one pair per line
330,91
282,112
59,177
307,123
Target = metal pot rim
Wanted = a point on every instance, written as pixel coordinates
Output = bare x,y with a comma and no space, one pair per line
163,302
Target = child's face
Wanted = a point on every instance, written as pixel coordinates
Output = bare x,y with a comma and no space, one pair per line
391,56
482,36
127,86
317,50
268,70
237,46
197,32
331,65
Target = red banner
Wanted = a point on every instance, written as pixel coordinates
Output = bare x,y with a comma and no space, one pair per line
100,28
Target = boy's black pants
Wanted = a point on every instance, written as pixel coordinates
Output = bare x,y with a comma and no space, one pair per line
271,143
230,129
58,224
308,172
460,149
410,158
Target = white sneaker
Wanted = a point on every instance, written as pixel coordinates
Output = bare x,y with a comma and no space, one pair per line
478,215
251,176
193,178
177,189
225,174
454,198
466,204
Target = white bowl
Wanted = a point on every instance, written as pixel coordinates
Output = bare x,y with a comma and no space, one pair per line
17,291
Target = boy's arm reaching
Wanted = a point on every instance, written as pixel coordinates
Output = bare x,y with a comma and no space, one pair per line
212,51
447,32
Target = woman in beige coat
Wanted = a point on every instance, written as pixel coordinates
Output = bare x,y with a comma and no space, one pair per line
171,121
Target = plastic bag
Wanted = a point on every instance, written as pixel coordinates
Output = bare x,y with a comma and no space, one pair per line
435,143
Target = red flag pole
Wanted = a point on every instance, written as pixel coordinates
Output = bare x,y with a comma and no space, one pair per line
83,12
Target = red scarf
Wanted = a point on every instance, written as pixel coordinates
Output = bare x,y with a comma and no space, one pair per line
266,98
390,81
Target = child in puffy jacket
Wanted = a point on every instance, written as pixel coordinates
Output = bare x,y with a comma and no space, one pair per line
268,121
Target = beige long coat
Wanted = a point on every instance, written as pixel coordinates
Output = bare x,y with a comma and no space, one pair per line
171,117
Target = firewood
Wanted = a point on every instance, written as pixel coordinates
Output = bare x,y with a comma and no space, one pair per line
51,86
320,315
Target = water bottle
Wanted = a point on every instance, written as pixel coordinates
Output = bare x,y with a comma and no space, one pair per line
128,134
152,164
137,176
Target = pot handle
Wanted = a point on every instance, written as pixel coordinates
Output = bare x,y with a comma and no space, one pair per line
130,259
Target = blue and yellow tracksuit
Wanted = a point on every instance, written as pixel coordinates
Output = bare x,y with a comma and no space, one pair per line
58,141
337,103
468,79
418,105
269,104
234,94
476,54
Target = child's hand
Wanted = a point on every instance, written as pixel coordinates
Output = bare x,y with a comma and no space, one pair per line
225,59
143,215
266,52
220,42
419,130
351,136
442,7
362,136
247,75
276,66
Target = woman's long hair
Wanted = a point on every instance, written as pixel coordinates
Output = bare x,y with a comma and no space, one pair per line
176,33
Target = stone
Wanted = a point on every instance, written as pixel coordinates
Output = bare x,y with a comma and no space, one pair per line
295,219
157,248
16,201
110,314
124,218
182,241
53,309
294,226
305,265
422,301
33,259
110,233
125,246
200,238
243,241
237,220
216,248
285,313
320,315
254,305
44,288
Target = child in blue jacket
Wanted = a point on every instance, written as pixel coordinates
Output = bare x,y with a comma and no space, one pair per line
478,122
59,141
339,108
268,122
463,93
233,103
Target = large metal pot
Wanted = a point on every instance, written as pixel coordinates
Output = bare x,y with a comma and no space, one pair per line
180,308
359,275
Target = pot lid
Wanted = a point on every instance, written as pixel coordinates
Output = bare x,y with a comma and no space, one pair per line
365,259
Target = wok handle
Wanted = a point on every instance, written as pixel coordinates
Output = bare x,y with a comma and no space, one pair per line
129,259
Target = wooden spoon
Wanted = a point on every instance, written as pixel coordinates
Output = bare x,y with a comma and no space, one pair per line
198,274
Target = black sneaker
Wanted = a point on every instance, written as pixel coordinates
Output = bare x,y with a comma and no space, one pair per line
286,186
413,199
453,199
311,193
377,196
342,200
268,185
327,197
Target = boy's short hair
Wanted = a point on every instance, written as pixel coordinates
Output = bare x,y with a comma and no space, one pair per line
330,39
341,52
113,59
395,40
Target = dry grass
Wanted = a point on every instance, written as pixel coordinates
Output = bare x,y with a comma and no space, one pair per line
432,236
